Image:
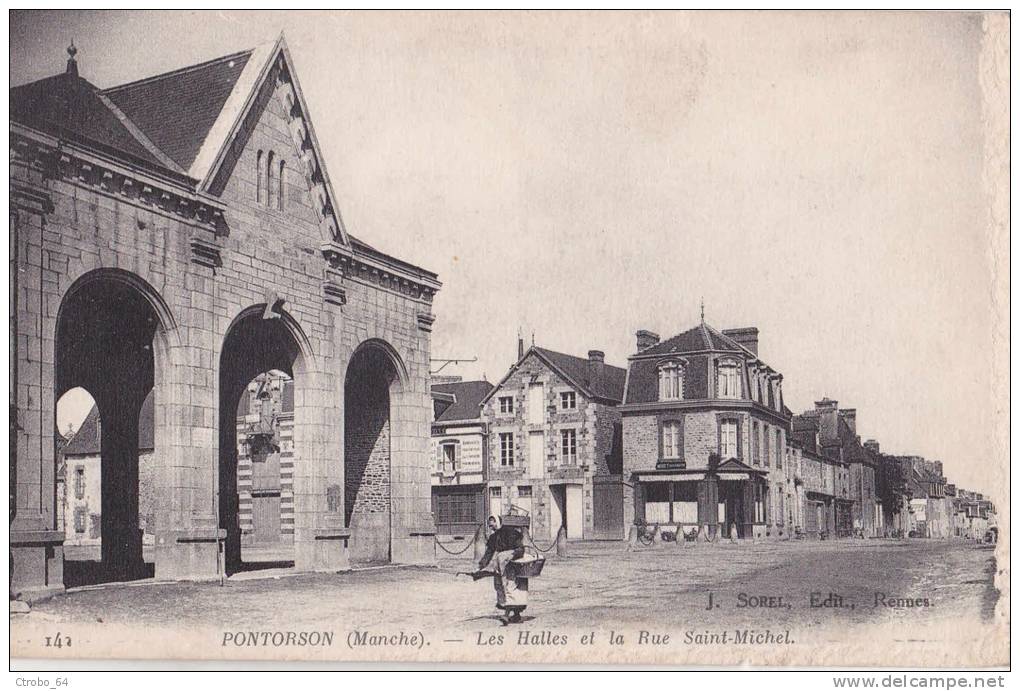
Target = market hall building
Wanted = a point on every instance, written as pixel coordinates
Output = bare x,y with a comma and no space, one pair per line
179,236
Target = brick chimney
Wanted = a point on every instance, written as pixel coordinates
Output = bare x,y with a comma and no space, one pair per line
826,405
746,336
596,369
646,339
849,415
828,422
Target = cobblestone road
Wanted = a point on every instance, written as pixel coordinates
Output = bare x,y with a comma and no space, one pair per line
598,585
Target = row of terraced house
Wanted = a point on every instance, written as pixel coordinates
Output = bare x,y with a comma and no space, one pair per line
692,436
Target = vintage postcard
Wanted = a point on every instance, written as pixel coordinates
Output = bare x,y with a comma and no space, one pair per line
510,337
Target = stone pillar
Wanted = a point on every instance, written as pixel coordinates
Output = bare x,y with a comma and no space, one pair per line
189,539
411,525
321,541
35,543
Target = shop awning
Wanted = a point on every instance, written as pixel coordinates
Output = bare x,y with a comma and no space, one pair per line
667,476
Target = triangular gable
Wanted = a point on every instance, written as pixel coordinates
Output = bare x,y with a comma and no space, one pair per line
271,60
548,363
733,465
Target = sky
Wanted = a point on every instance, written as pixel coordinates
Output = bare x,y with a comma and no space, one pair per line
582,176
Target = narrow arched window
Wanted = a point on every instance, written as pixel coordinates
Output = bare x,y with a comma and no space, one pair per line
259,174
280,195
269,180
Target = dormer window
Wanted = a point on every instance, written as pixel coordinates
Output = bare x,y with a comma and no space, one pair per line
728,378
671,381
506,405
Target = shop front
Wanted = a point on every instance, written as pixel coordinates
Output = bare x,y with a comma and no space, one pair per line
729,502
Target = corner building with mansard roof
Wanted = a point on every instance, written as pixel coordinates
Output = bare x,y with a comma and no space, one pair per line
705,435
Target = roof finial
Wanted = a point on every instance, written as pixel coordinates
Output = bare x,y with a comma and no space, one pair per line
532,338
702,309
72,64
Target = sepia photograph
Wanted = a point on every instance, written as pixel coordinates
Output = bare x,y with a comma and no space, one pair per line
658,338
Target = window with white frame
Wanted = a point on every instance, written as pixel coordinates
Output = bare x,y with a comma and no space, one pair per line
759,503
766,438
568,400
728,380
671,439
568,446
448,457
506,448
779,448
671,381
728,439
506,404
755,444
79,482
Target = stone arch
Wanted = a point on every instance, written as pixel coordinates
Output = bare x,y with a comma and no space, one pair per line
376,384
169,330
262,338
114,336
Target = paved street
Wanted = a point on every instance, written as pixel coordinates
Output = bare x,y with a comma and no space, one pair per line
597,585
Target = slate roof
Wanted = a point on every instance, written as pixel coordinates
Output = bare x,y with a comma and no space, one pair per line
161,120
86,440
170,122
694,345
701,337
468,397
177,109
68,106
610,386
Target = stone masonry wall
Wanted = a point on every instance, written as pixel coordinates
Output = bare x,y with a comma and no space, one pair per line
608,454
367,483
99,224
594,439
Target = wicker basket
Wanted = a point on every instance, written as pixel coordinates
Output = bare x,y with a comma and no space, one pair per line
516,521
526,567
516,517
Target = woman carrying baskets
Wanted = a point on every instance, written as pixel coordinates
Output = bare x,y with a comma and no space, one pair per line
503,546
